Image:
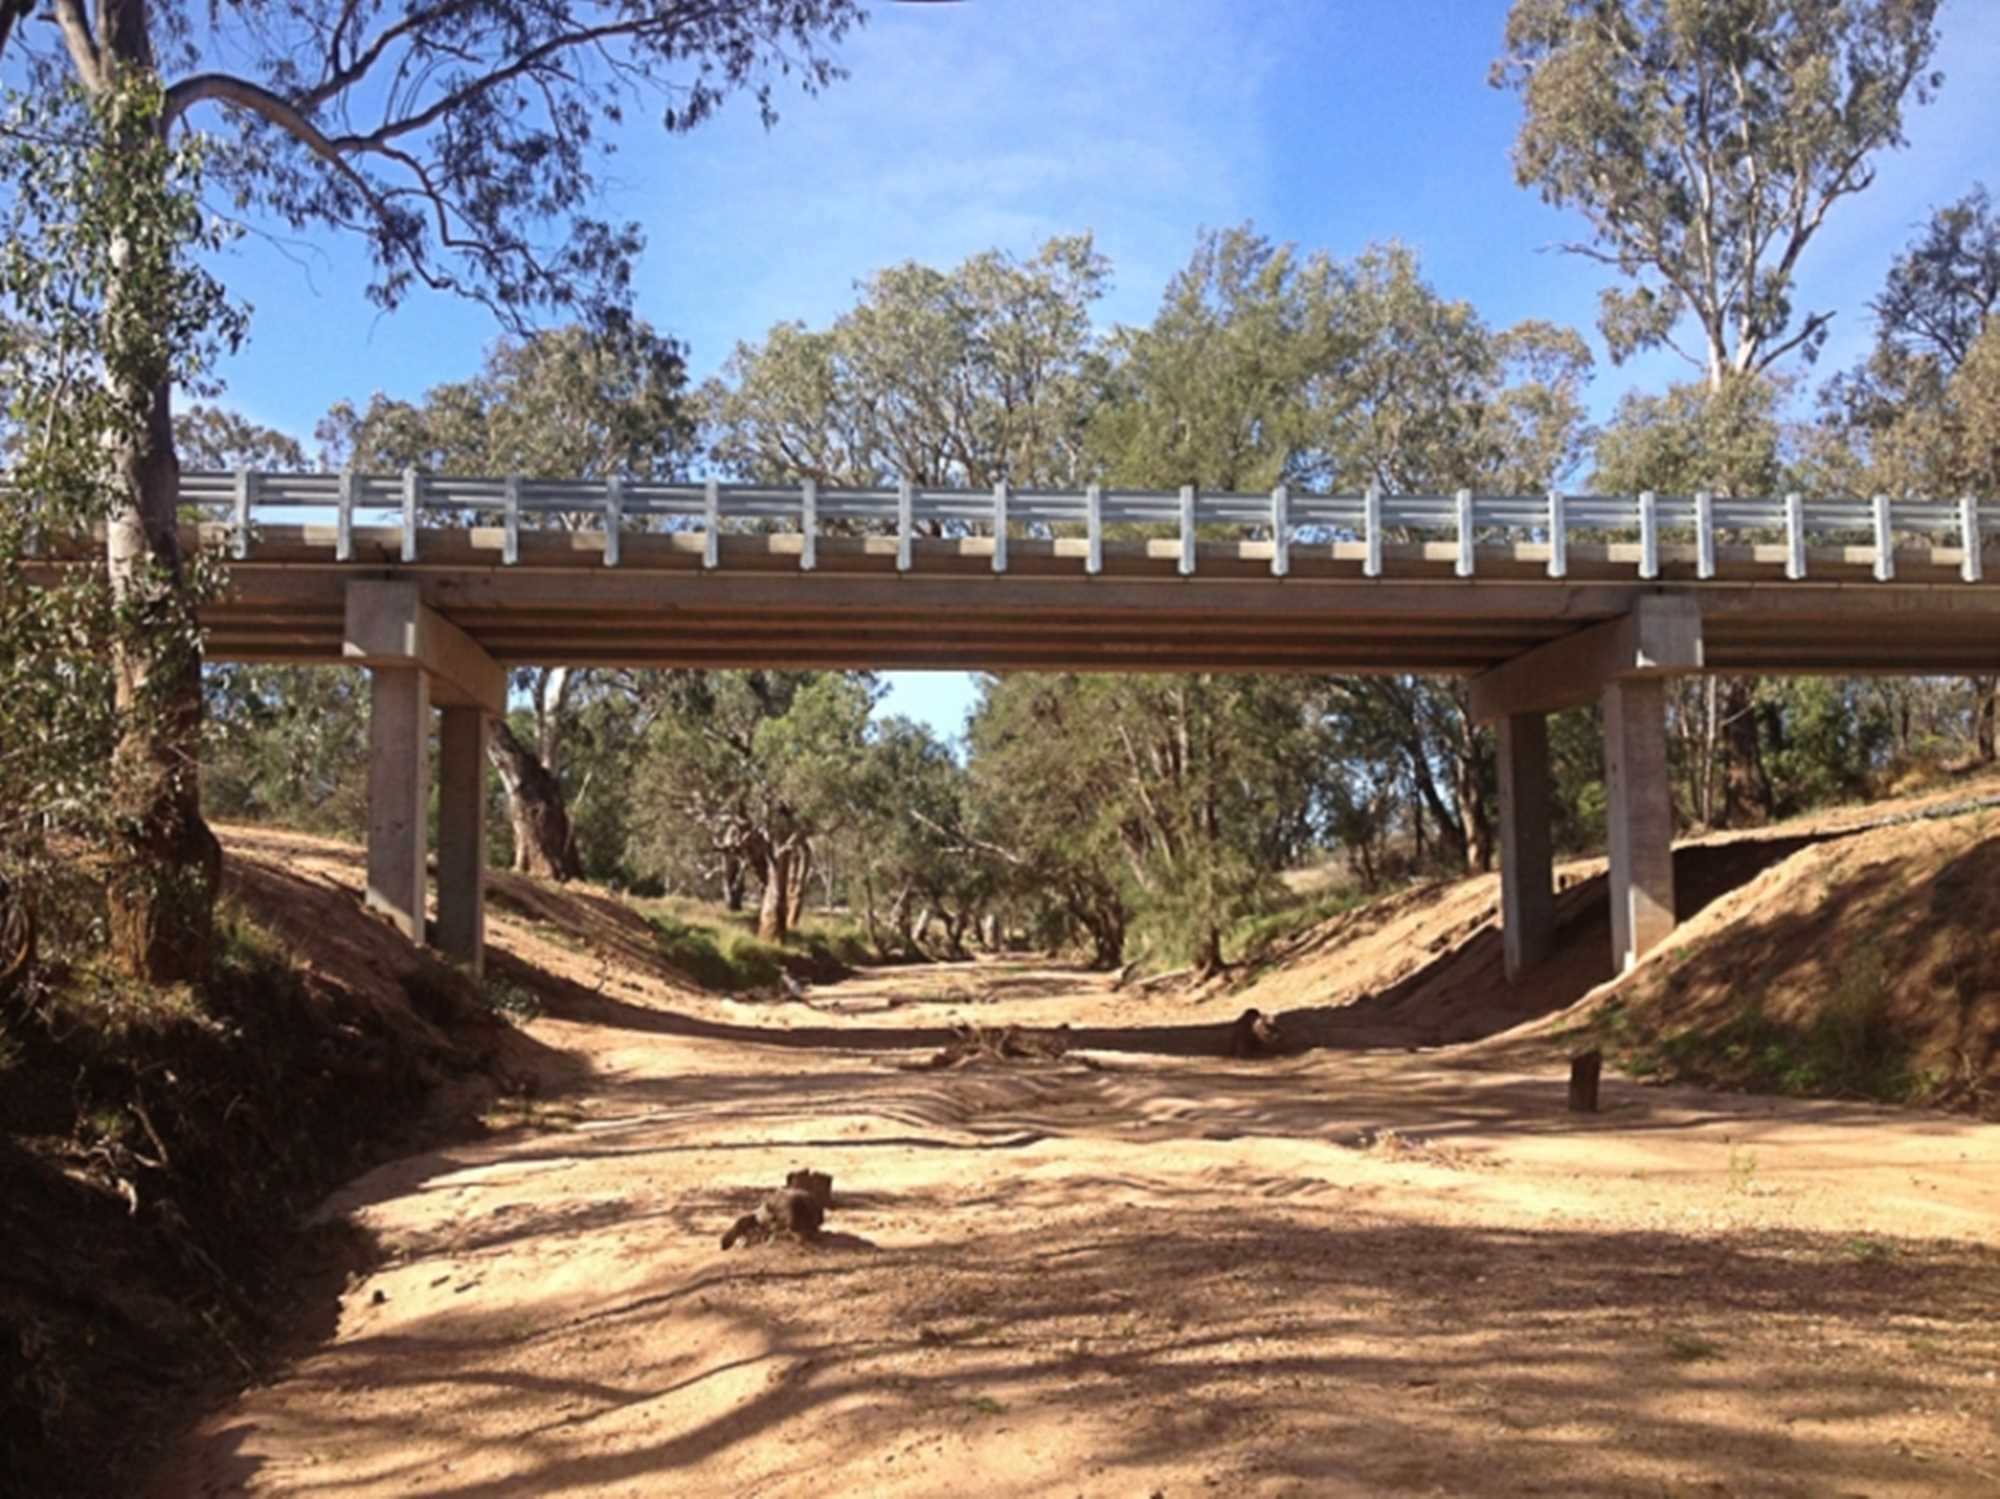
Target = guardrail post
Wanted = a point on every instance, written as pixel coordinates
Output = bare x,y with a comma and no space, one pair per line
1795,536
510,521
1000,527
1281,532
413,483
1704,535
711,520
1466,560
1187,530
1973,566
246,493
1649,534
905,520
343,519
1093,529
1558,535
614,519
1371,532
809,525
1885,541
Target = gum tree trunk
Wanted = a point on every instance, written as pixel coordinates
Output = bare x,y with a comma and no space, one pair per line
161,893
543,844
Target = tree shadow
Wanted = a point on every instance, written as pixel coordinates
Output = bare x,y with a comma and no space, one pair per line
1304,1342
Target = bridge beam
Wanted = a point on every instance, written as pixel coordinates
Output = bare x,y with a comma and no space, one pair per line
1527,866
418,658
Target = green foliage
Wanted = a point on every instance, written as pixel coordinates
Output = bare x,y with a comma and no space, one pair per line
1728,441
106,300
288,745
1265,366
565,403
969,376
1705,145
719,951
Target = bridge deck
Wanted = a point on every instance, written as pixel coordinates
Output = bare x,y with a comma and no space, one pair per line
558,603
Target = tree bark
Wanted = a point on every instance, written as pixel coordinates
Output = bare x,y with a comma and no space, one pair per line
161,894
1747,793
802,867
1986,719
774,916
544,844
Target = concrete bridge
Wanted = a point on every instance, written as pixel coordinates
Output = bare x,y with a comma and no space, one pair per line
1545,602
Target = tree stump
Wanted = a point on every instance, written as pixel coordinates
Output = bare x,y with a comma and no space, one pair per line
1583,1071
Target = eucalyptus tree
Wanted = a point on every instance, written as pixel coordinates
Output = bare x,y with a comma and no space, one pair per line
970,376
571,402
1705,145
461,141
743,773
108,301
1214,391
1166,805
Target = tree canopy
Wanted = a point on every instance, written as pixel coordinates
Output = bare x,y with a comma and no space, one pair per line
1705,145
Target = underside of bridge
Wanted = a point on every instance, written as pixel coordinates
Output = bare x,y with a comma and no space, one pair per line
441,636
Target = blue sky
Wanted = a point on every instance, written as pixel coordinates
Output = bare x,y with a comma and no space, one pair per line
1328,123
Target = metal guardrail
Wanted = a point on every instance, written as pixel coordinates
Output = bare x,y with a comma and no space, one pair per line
1283,518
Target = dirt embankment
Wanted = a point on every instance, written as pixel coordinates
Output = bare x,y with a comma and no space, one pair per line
1363,1269
1852,954
158,1149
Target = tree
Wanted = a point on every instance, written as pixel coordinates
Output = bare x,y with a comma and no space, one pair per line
742,772
110,305
1705,145
568,403
460,139
965,377
1921,415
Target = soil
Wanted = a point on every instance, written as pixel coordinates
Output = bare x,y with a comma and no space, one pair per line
1384,1265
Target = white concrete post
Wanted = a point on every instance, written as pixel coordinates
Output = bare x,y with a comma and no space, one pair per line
1640,816
1527,866
399,751
462,835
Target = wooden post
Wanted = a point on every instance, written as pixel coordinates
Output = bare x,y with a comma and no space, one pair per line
462,835
1527,871
1583,1072
399,750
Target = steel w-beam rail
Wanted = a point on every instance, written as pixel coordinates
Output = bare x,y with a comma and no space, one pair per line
1654,535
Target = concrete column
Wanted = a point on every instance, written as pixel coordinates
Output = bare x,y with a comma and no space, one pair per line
1527,868
1641,816
399,751
462,834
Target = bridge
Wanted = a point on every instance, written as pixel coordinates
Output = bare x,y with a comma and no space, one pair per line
438,585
